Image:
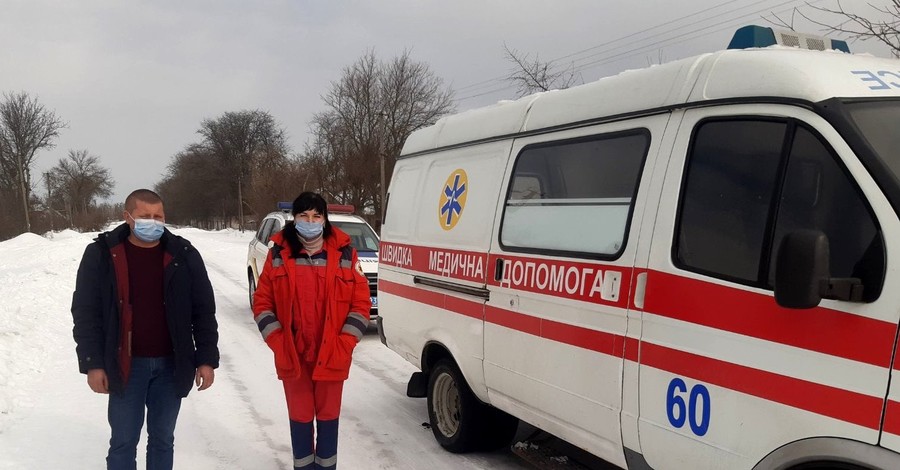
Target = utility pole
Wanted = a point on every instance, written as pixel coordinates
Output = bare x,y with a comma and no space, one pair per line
48,179
21,171
382,116
240,201
381,157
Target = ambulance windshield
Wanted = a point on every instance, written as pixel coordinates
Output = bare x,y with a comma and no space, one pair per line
877,121
361,236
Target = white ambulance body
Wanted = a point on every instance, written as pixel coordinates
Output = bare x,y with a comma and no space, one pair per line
603,261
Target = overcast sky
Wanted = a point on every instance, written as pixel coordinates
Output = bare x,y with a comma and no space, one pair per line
134,79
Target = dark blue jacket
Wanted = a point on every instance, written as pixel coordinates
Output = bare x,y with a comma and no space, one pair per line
102,320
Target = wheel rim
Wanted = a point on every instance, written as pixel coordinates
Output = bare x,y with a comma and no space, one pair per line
446,405
252,289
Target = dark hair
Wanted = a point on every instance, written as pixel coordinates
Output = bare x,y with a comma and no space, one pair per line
305,201
143,195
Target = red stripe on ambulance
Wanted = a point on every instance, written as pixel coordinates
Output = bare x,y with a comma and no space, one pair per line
446,263
585,338
817,329
632,349
693,301
852,407
602,342
516,321
845,405
435,299
892,409
587,282
892,418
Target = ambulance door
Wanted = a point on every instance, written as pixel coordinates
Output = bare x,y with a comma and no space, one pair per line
560,271
726,375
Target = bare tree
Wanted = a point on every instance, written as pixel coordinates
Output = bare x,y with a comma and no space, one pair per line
243,141
197,189
10,218
26,127
273,180
783,22
372,109
533,75
78,181
8,168
413,97
854,26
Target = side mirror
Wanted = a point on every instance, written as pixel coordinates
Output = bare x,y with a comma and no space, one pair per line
801,269
270,244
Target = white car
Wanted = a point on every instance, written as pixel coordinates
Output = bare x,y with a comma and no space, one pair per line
362,237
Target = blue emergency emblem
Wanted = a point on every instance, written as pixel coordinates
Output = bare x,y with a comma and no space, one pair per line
453,199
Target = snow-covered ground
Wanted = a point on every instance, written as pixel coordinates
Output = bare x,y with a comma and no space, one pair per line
49,418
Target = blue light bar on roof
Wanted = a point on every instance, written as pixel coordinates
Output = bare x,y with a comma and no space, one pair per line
285,206
759,36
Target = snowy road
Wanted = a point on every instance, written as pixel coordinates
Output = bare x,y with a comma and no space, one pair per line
50,419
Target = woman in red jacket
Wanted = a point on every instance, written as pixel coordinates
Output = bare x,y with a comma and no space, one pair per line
312,307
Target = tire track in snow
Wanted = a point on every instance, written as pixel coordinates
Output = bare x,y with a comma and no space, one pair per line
238,330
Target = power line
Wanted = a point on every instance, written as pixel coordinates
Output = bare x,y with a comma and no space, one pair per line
489,92
501,78
686,37
719,15
662,25
605,58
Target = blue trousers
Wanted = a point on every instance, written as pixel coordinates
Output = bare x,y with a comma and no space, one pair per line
322,456
151,386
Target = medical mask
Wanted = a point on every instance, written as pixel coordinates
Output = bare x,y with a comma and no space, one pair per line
147,230
309,230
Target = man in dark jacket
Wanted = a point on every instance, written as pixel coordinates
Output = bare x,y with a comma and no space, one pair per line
145,328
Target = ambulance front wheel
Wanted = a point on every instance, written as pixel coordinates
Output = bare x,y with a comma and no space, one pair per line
459,421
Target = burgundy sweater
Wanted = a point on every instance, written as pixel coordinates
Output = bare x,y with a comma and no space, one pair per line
150,337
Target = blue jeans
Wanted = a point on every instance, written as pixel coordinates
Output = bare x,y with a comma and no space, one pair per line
151,384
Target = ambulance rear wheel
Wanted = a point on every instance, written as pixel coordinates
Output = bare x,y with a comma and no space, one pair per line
456,415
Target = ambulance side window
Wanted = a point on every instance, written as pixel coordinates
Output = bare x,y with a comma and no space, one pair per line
574,196
818,194
727,194
748,183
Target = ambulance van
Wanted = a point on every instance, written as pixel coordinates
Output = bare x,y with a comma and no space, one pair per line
690,266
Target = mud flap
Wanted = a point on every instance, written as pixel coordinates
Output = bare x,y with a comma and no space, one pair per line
417,386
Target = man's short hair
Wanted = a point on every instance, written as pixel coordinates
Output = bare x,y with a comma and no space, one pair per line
143,195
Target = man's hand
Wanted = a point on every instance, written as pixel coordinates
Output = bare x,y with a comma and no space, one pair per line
97,380
204,377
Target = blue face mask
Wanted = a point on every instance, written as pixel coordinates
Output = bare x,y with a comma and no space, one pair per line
148,230
309,230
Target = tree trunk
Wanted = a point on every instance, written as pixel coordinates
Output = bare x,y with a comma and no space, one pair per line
24,194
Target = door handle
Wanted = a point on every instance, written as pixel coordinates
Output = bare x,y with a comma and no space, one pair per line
640,290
